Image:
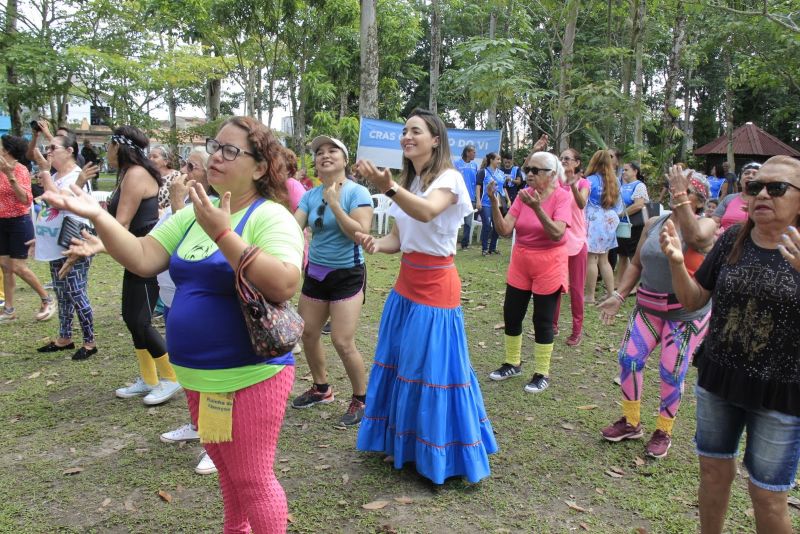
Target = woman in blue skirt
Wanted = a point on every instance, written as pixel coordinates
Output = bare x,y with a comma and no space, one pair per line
424,404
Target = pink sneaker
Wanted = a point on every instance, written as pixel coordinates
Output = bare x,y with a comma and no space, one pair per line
620,430
659,444
574,340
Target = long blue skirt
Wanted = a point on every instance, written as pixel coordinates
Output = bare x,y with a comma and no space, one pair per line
424,404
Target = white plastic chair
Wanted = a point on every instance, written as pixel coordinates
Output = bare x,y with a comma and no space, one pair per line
381,203
101,196
476,225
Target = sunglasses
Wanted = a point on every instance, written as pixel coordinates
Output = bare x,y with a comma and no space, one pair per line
52,148
189,166
320,213
534,170
229,152
774,189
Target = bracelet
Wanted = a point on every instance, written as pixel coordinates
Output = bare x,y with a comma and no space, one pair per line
617,296
679,204
681,194
222,234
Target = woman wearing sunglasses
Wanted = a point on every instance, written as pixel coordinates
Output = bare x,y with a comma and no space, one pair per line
236,398
539,264
748,368
424,404
336,276
657,317
733,208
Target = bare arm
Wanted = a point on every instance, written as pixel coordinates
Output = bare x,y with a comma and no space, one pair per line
636,207
388,244
504,226
581,195
132,190
697,233
8,170
301,217
690,293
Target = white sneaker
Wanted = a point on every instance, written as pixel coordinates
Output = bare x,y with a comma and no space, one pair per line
164,391
205,466
185,433
137,389
48,311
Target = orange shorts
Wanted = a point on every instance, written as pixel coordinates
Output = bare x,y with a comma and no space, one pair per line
540,271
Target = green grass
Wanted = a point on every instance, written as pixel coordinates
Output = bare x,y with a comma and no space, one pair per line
66,416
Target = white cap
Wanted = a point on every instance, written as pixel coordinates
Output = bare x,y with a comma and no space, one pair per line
324,140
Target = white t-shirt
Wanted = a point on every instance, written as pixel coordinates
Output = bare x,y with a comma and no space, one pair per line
437,237
49,220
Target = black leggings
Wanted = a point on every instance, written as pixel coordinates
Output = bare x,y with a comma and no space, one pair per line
544,309
139,297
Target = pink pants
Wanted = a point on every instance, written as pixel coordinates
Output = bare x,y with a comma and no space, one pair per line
252,496
577,281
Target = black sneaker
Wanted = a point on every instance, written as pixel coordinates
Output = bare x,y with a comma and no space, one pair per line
313,396
354,413
326,330
537,384
506,371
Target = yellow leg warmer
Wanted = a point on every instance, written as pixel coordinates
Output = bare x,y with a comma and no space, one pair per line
147,367
665,424
514,349
541,358
632,411
165,369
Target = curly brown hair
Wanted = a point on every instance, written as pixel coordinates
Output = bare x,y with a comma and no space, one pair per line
291,162
265,147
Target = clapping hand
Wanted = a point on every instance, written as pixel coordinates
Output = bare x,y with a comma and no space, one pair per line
213,220
76,200
80,248
382,179
678,180
541,144
331,193
790,247
7,168
89,171
671,243
530,197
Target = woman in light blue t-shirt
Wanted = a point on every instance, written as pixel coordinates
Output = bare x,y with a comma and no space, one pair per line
336,276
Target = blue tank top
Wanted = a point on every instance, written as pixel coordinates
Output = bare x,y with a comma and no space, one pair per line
627,190
205,325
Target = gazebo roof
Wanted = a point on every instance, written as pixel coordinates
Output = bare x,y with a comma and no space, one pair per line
749,140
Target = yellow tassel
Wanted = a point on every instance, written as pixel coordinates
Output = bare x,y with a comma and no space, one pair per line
215,420
147,367
514,349
631,410
541,358
665,424
165,369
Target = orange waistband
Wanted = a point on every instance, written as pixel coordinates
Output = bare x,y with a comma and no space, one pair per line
429,280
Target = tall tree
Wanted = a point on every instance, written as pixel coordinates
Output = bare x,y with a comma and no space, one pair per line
436,53
368,97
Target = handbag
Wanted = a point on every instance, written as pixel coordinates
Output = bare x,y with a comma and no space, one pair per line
274,328
624,228
71,229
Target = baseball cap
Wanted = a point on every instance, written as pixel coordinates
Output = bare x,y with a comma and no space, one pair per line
324,139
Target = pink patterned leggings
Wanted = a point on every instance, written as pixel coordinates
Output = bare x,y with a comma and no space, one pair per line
252,496
678,340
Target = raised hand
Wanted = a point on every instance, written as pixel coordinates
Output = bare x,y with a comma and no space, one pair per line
678,181
671,243
179,188
367,241
790,247
213,220
89,171
382,179
76,200
541,144
7,168
331,194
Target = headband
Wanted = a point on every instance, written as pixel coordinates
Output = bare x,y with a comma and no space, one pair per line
699,183
122,140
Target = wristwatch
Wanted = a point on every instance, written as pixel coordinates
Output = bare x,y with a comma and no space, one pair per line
392,191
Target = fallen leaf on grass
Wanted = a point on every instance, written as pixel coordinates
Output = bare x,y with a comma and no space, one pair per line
498,326
575,506
599,491
482,344
166,497
324,415
73,471
345,478
323,467
794,501
587,407
641,530
404,500
323,446
49,383
129,506
93,373
375,505
479,307
617,470
639,461
387,529
285,469
106,502
290,518
567,426
584,526
529,418
612,474
37,374
342,503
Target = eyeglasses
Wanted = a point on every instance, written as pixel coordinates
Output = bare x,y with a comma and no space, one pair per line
229,152
52,148
565,158
774,189
189,165
320,213
534,170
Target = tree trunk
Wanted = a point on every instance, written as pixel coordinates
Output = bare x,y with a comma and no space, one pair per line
343,97
368,98
213,94
273,67
729,110
688,126
436,53
491,121
292,83
250,91
671,82
260,97
638,139
172,104
14,108
565,72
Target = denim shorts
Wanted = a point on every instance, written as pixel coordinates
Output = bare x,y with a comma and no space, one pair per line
772,445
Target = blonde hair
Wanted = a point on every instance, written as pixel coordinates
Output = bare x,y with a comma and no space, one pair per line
601,164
